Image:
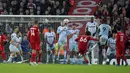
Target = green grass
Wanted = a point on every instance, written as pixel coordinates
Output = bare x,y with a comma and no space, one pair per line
60,68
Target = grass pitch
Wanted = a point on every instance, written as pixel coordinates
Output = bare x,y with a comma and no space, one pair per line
61,68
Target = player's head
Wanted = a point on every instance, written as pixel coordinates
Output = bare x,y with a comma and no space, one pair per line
35,23
16,30
25,37
88,33
92,19
118,28
49,29
113,34
73,26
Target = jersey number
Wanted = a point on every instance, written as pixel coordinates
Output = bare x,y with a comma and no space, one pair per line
104,29
32,33
83,39
121,38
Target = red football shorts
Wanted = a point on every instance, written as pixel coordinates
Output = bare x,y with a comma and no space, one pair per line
35,46
120,52
1,48
82,51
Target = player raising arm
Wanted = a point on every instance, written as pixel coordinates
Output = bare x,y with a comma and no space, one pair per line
63,32
83,44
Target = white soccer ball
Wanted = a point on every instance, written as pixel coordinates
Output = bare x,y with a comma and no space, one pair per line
66,20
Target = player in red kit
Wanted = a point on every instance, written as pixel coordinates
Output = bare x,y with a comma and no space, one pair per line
83,44
120,46
34,39
2,42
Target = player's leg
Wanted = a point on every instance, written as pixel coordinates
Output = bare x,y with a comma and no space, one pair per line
75,50
59,46
103,42
33,57
65,51
69,52
13,51
3,56
118,56
53,55
48,53
39,56
39,53
124,58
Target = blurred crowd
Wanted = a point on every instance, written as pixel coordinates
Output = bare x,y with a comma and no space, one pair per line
34,7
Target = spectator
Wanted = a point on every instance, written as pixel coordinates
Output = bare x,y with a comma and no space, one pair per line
8,29
31,5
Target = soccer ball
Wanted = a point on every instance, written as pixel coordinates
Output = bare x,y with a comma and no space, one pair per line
66,20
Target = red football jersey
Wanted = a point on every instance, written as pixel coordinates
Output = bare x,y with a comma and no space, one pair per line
120,40
34,35
83,41
2,40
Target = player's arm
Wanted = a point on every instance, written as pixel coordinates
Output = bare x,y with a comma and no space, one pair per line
77,39
59,30
86,29
91,38
12,42
110,30
46,39
96,29
28,34
54,38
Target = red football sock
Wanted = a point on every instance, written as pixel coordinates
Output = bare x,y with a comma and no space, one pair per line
39,57
118,60
33,57
3,56
86,61
124,58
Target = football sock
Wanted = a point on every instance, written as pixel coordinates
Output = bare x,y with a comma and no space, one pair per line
33,57
3,56
10,58
53,56
124,58
39,57
48,57
118,60
58,55
65,54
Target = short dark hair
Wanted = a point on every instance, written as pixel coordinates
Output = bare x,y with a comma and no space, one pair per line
88,33
118,28
35,22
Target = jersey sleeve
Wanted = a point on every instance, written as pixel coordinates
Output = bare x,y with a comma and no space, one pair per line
4,38
91,38
45,36
58,30
28,34
87,24
77,39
